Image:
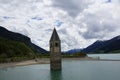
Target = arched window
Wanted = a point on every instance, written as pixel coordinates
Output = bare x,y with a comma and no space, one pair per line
50,44
56,44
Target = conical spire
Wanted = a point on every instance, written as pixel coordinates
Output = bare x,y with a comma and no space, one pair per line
54,36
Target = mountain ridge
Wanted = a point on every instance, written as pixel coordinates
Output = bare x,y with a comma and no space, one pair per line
4,33
106,46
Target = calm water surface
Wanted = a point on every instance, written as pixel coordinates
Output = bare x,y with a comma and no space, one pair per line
71,70
106,56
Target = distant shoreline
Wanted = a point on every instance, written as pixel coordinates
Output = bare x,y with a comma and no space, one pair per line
47,61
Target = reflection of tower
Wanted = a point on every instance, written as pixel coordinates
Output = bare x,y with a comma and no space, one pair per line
56,75
55,51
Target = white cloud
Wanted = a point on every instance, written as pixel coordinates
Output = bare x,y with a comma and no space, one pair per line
80,22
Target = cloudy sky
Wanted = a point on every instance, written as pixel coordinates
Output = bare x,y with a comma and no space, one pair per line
79,22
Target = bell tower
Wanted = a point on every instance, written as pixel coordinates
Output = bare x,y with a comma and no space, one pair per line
55,51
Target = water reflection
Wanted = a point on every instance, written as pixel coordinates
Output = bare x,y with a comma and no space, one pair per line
7,68
4,69
56,75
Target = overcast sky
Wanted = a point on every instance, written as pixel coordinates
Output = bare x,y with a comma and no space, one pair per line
79,22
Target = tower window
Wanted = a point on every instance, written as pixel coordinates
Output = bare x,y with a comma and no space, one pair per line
50,44
56,44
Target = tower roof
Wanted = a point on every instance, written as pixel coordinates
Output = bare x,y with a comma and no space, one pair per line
54,36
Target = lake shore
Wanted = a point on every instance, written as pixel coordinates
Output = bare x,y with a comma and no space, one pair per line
24,63
47,61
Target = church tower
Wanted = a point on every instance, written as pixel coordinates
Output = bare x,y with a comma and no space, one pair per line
55,51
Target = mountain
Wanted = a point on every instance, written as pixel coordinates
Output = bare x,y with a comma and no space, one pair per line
4,33
108,46
10,48
72,51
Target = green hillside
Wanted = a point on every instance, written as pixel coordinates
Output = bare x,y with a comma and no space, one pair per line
14,51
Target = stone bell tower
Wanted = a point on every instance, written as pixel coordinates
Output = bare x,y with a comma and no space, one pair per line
55,51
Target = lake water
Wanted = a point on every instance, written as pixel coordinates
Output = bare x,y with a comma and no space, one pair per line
71,70
106,56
